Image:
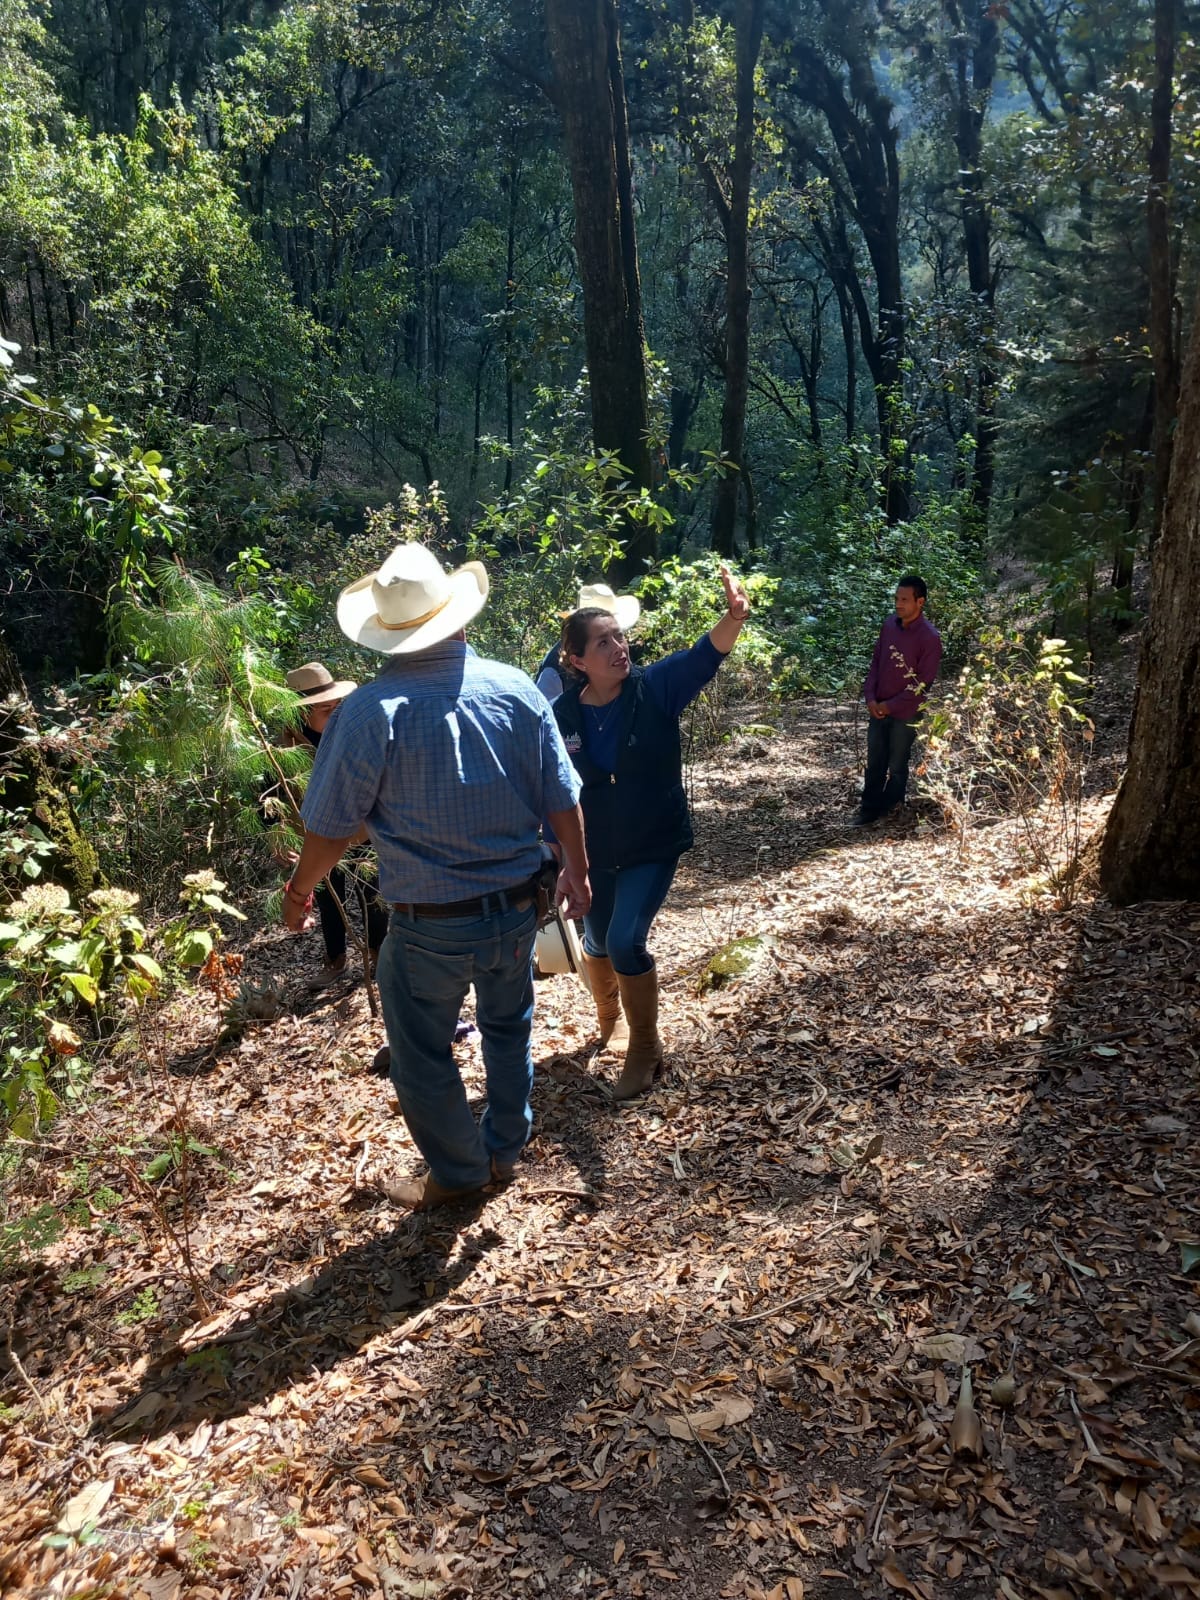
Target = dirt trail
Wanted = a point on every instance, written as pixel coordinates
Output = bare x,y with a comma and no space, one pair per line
709,1343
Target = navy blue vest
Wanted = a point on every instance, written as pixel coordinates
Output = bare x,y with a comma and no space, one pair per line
639,812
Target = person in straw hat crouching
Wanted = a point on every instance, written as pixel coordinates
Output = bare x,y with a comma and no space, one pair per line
320,695
451,762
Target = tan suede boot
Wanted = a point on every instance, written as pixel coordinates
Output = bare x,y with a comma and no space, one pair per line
643,1058
614,1031
425,1194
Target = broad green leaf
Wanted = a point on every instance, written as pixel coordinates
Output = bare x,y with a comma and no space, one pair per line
85,986
215,903
194,948
1189,1252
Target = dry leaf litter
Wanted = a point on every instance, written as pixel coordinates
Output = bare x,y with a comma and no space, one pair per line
886,1289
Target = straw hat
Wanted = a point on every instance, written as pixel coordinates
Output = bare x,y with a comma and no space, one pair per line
411,602
557,948
626,608
315,684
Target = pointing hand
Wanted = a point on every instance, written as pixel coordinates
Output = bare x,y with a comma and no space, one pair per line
736,600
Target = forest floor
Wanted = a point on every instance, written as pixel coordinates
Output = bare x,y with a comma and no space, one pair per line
707,1344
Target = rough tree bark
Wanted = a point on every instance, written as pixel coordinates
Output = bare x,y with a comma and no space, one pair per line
733,206
1151,848
862,124
975,50
585,47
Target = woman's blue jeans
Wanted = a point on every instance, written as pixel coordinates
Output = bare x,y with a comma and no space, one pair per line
625,901
426,966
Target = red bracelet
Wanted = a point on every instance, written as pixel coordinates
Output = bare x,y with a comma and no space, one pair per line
294,894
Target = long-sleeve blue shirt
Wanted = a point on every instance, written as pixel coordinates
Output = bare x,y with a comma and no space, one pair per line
673,683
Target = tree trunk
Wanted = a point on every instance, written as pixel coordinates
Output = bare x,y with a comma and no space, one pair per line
1151,848
29,783
736,218
972,81
510,291
127,25
585,46
1133,492
1158,227
861,121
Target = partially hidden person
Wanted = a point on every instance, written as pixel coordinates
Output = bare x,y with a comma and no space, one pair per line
903,668
321,694
621,727
626,608
451,762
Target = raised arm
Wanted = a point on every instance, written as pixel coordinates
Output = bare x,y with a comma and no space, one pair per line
737,608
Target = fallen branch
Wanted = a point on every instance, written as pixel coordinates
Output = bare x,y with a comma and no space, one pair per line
1070,1266
713,1462
775,1311
19,1369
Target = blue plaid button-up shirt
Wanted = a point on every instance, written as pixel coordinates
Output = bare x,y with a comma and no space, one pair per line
452,761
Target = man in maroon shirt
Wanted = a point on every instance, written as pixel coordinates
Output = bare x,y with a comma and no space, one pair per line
903,667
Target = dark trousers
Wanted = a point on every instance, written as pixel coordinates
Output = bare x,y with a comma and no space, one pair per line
350,890
889,745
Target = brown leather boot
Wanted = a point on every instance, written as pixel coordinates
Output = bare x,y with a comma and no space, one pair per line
614,1031
643,1058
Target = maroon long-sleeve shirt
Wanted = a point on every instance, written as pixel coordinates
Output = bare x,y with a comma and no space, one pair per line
903,658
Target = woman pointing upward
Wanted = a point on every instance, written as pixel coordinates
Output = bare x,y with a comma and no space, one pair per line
621,727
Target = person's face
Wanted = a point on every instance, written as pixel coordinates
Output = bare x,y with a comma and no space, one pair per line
908,606
318,717
605,660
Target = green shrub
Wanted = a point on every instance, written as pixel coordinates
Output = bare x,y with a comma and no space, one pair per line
1013,739
61,962
839,573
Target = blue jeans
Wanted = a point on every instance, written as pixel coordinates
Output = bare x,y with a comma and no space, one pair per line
625,901
426,966
889,745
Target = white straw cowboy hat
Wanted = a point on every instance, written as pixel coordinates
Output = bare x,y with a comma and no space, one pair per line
557,948
626,608
315,684
411,602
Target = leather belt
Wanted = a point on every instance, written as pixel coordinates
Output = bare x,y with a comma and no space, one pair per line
484,905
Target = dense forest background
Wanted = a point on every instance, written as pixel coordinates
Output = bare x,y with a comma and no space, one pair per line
836,290
833,290
897,268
